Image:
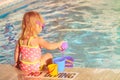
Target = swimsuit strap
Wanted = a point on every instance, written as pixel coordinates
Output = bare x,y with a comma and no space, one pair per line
21,42
28,42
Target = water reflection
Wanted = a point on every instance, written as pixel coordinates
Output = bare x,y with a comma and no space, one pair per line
90,27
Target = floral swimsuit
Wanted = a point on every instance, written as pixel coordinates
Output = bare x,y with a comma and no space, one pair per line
32,54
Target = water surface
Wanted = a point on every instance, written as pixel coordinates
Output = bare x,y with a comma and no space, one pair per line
90,27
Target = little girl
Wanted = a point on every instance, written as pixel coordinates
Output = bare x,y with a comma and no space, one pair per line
28,55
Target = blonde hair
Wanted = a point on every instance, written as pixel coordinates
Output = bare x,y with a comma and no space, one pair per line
29,25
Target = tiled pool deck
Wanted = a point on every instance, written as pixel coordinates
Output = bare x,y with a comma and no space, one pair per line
10,73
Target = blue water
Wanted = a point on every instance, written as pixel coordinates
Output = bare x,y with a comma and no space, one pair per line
90,27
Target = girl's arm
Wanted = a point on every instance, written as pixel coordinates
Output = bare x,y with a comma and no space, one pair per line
16,54
49,45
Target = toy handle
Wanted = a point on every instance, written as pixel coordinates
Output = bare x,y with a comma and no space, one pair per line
64,46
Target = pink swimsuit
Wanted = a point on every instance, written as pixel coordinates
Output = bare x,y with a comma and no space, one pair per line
32,54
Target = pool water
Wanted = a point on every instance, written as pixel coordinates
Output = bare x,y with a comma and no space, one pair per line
90,27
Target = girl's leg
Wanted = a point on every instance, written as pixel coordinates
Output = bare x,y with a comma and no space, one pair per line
45,60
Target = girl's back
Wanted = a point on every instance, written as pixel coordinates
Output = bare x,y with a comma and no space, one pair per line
30,54
30,50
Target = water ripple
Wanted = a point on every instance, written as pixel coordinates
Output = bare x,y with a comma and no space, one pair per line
90,27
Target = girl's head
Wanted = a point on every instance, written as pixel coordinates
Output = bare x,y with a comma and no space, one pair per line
32,24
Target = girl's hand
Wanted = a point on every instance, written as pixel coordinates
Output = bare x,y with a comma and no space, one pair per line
60,45
63,46
15,65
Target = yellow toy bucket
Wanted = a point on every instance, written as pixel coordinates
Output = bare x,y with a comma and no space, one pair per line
53,69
